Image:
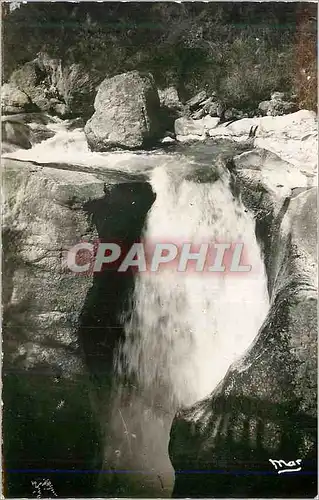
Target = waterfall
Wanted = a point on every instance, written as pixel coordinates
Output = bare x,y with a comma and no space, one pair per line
185,329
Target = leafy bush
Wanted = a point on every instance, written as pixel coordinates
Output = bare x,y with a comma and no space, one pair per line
253,71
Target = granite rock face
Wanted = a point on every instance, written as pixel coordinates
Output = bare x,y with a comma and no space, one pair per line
293,137
46,385
265,407
61,332
50,86
30,79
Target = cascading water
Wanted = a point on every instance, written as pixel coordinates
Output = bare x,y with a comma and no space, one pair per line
70,147
185,329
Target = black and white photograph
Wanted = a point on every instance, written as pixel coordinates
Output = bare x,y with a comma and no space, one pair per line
159,249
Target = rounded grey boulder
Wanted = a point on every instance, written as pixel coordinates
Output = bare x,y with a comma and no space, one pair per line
13,100
127,111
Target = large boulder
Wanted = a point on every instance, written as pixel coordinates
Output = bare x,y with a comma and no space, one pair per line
37,128
13,100
277,108
15,134
187,126
127,109
171,108
48,421
293,137
265,408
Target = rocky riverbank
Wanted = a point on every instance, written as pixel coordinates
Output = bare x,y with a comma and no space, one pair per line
131,113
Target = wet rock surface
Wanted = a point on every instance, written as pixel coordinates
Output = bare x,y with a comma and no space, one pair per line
265,407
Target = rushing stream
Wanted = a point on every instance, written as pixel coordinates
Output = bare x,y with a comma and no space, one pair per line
184,329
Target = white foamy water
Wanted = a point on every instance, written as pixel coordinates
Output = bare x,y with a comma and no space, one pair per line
70,146
186,329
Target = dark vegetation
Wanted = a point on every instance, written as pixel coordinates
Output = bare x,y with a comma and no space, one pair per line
243,51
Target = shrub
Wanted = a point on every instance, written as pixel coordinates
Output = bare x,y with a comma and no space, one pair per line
253,70
305,82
